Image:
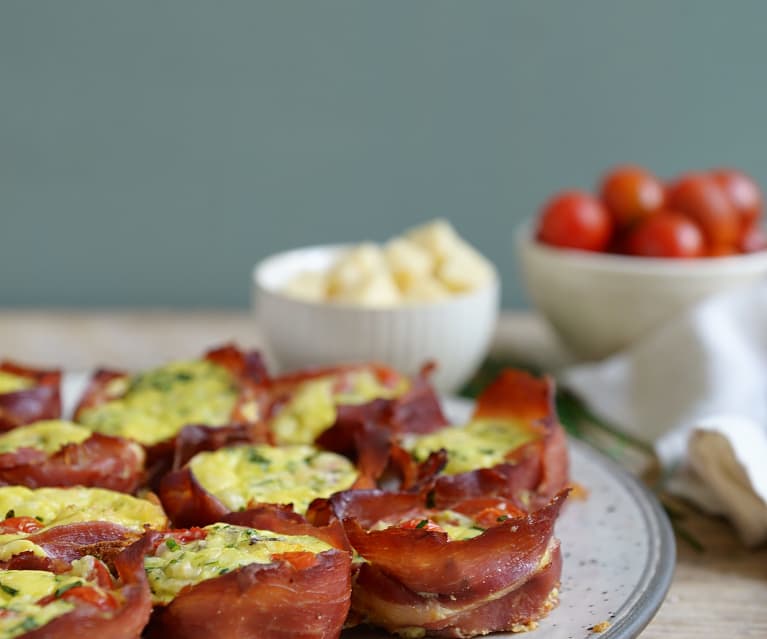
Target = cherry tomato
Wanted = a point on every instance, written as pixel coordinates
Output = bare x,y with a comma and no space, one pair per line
102,600
666,234
744,194
421,524
753,240
575,220
20,525
703,200
631,193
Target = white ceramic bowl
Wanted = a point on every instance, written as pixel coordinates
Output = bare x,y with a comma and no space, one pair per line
455,333
600,303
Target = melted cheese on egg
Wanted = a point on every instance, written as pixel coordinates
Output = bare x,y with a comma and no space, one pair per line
158,403
22,590
312,408
60,506
176,565
47,436
268,474
10,383
483,443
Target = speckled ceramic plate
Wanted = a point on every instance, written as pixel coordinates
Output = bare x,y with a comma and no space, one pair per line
618,550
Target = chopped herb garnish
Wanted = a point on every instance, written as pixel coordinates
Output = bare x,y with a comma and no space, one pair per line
479,528
171,544
223,571
62,589
8,589
27,624
40,519
10,514
183,376
422,523
258,458
486,451
502,518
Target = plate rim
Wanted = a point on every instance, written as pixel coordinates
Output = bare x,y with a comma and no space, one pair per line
647,597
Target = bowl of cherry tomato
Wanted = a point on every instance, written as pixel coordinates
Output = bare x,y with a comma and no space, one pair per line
607,268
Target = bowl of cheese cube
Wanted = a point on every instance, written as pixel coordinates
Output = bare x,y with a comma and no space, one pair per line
424,296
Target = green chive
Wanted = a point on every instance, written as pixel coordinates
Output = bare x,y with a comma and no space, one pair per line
28,624
171,544
422,523
11,591
10,514
62,589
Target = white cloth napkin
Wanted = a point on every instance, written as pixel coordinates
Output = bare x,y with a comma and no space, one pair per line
696,389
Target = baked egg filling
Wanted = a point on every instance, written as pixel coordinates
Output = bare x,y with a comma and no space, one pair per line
10,383
176,564
48,436
482,443
240,475
153,406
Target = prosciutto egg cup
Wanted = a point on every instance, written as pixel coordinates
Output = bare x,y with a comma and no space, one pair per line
482,566
83,601
231,581
59,453
240,478
28,395
222,389
48,528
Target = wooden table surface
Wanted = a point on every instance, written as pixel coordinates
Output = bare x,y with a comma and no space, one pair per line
720,592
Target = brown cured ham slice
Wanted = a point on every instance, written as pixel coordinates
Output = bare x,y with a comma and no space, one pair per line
416,411
382,601
367,433
187,502
63,544
100,460
298,595
195,439
122,614
425,560
41,401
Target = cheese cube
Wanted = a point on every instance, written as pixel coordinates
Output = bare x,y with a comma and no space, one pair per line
408,262
309,285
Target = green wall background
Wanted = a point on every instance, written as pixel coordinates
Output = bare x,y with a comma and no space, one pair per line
152,151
